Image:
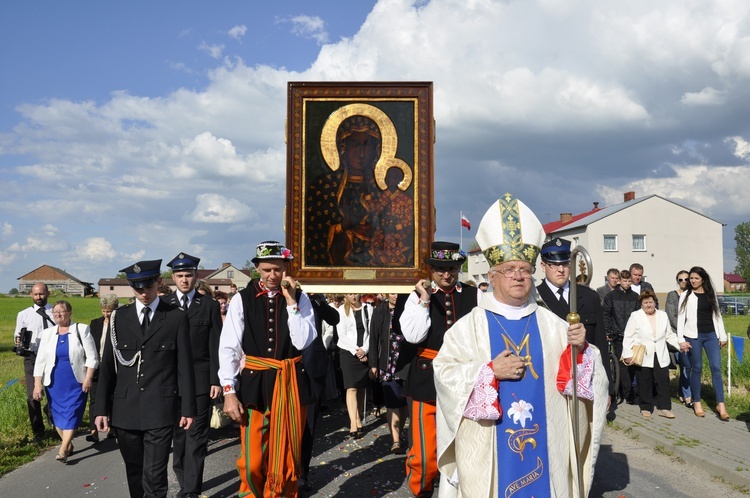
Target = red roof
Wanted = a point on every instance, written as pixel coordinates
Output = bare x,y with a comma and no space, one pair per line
733,278
553,226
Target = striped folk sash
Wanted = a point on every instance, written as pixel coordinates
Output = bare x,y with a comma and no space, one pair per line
285,426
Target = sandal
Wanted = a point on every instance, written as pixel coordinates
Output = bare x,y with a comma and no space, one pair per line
61,457
646,413
396,448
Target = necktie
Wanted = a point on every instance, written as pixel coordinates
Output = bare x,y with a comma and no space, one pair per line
43,313
146,320
561,292
184,302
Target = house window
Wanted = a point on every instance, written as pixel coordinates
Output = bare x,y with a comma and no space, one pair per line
111,287
230,273
639,242
610,243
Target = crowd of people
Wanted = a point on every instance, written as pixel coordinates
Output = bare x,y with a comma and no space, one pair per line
487,375
650,341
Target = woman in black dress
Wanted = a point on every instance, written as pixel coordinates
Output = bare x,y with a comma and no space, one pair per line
354,343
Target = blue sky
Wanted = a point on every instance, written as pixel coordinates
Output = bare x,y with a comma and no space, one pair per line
141,129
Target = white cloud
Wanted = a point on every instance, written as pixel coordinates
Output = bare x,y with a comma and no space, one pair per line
237,32
7,229
707,96
7,258
215,208
95,250
215,51
741,146
312,27
39,244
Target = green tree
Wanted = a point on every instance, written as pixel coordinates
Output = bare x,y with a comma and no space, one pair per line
742,250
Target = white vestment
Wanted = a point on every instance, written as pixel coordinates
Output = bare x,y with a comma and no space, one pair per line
467,449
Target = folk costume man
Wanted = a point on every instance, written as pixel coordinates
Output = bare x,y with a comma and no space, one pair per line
428,313
270,321
502,377
34,319
204,315
555,293
146,380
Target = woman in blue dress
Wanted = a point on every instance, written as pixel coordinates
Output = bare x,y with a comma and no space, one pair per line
65,365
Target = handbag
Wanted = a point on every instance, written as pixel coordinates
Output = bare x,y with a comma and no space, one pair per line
639,351
219,419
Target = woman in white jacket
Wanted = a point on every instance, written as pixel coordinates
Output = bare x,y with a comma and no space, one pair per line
650,327
65,365
354,342
699,323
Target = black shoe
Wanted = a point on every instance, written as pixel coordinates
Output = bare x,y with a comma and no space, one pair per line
38,439
93,437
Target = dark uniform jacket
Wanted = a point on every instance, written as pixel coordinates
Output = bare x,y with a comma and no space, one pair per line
96,327
315,356
590,311
266,335
148,399
380,338
204,315
617,307
444,310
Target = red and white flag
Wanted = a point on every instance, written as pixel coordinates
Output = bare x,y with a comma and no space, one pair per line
465,222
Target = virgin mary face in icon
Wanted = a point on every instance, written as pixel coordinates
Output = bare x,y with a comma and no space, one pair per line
358,141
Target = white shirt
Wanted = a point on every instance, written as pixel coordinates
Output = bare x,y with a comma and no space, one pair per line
347,329
31,319
415,320
554,289
190,295
139,308
301,332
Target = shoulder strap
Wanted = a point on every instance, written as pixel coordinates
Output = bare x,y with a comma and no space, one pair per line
78,335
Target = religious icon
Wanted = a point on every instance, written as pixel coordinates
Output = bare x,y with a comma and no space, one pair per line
360,160
361,212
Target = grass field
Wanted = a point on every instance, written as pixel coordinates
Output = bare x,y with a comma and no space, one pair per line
15,433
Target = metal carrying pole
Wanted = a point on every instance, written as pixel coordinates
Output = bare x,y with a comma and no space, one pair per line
573,318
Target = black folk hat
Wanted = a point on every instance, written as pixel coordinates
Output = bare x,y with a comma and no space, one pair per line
271,249
445,254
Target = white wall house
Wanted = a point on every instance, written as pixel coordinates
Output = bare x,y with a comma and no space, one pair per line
658,233
239,277
662,235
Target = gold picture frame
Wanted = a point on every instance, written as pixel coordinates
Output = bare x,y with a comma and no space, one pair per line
359,214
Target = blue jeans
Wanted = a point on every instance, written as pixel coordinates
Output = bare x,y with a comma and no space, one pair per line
710,343
683,361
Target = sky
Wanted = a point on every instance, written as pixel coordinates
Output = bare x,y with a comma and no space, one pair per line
138,130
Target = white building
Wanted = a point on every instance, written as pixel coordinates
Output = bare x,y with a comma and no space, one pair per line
662,235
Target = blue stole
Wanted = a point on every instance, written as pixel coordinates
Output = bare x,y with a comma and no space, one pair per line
522,430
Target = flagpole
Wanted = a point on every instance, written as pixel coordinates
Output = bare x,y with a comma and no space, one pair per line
461,229
729,365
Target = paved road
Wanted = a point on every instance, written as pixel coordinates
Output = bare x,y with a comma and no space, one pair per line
627,467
